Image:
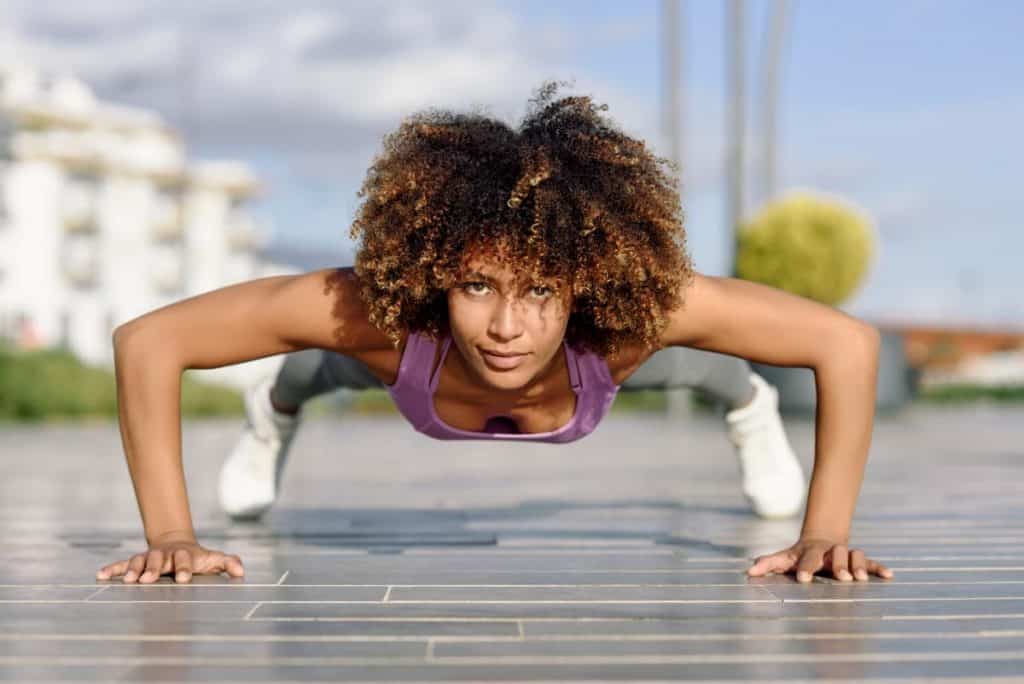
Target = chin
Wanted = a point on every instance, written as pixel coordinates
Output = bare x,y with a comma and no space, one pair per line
511,379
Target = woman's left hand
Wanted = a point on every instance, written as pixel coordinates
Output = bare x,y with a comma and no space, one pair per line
809,555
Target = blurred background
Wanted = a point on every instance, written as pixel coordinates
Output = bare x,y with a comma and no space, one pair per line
151,151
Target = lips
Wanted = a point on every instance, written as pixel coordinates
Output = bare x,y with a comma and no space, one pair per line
497,353
502,361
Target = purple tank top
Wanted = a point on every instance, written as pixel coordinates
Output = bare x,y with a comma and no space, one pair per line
413,393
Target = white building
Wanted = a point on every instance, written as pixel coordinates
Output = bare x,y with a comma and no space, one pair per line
103,219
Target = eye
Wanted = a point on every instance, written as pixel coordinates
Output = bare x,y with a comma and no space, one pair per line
547,291
468,287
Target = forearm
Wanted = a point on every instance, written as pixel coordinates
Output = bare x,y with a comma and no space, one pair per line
846,381
149,411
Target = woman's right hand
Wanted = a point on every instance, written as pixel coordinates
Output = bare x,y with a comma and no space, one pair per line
182,558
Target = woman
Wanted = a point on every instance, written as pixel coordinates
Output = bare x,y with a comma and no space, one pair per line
772,478
507,283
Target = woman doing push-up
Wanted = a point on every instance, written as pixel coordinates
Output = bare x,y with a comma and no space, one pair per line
508,283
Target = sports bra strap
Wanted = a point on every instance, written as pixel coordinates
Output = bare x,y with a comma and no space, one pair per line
429,359
573,361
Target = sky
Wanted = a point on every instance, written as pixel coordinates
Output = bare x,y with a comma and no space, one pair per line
910,110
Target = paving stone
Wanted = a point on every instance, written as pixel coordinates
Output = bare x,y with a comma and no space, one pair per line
579,593
788,627
620,557
766,607
751,647
240,593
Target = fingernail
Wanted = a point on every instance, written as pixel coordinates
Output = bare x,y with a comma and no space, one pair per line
844,575
862,574
182,577
803,576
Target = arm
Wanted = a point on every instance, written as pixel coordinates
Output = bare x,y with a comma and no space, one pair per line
230,325
770,326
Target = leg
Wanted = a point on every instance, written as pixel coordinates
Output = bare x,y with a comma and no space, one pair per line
772,478
311,372
721,377
251,474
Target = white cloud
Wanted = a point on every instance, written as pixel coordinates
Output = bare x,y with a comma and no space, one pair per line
271,73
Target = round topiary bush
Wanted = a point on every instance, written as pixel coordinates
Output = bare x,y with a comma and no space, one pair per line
813,246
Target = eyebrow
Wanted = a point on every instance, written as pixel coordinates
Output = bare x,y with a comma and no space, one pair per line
478,274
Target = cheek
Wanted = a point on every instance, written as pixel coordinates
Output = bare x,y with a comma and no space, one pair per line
551,314
466,315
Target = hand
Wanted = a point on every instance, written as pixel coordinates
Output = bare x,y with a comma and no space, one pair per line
183,558
811,554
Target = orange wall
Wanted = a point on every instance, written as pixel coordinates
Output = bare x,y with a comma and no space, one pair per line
946,347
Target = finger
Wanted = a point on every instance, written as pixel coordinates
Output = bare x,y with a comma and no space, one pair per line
182,565
135,565
879,569
233,565
112,569
840,562
811,560
154,564
775,562
858,564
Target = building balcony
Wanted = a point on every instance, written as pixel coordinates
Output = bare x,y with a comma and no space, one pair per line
83,275
80,262
78,207
243,234
168,283
167,271
168,223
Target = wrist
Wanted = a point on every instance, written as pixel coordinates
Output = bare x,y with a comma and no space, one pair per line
170,536
838,537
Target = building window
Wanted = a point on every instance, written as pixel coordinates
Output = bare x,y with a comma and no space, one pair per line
79,202
168,214
80,257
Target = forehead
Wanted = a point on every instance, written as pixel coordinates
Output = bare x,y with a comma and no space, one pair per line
498,260
495,259
500,270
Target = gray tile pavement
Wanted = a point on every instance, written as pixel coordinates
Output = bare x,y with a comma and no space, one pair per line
621,557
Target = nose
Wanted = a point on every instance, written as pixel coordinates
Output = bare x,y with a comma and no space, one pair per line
507,319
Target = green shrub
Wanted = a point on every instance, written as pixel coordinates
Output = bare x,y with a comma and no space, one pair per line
812,246
969,393
45,384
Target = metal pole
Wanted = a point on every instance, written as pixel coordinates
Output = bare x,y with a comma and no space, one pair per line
735,116
677,401
772,57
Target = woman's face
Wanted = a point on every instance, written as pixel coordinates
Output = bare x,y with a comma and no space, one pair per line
491,314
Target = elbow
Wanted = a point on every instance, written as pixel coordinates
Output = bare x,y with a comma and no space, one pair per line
121,334
126,335
868,337
859,343
853,343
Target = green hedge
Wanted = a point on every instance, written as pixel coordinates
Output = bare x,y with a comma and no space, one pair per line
963,393
51,384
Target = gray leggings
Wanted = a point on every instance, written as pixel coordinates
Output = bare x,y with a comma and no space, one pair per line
720,377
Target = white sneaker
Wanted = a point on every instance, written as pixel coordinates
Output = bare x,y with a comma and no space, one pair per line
252,471
773,481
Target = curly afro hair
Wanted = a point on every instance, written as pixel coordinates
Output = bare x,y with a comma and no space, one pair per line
566,198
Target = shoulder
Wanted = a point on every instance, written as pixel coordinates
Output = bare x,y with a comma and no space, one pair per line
624,363
352,329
